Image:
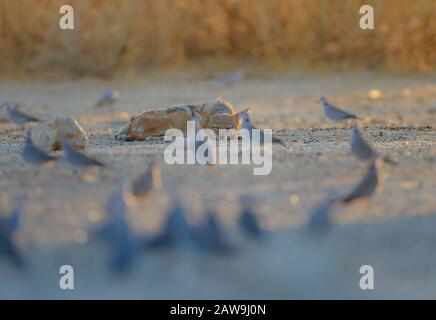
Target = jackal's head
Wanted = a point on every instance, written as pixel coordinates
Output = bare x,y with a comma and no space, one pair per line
220,121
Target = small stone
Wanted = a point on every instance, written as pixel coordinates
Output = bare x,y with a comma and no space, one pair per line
374,94
294,199
49,135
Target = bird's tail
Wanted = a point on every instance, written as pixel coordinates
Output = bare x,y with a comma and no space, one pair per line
277,140
347,199
388,160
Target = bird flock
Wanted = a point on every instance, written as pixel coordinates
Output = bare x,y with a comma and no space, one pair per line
320,220
178,234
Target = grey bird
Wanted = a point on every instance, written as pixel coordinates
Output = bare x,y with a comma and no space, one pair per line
77,158
210,236
177,232
369,184
33,154
320,217
3,106
9,225
361,149
245,123
248,221
14,115
116,232
231,78
109,97
334,113
144,184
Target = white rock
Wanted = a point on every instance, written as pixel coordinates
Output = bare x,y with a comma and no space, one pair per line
49,135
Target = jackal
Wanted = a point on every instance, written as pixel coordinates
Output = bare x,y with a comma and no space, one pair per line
216,115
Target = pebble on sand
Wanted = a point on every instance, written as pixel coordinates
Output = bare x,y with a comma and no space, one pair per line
49,135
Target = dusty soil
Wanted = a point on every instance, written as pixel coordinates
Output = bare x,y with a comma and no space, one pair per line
394,232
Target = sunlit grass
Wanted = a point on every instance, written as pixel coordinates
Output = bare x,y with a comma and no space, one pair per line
118,34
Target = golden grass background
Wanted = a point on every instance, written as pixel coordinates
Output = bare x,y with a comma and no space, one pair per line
113,35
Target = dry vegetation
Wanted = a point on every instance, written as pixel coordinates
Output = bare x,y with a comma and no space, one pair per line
121,35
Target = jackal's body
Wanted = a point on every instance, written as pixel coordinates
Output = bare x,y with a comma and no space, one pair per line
215,115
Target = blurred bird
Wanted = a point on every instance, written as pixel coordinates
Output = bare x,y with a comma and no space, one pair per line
109,97
117,233
148,181
14,115
210,236
248,221
177,232
8,227
320,218
3,105
231,78
33,154
334,113
248,125
362,149
369,184
77,158
359,147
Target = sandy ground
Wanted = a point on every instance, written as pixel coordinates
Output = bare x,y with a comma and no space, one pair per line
394,232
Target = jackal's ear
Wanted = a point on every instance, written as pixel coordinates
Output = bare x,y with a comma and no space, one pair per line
247,110
204,117
202,113
237,118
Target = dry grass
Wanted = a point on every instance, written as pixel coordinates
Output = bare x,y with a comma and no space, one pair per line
121,35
